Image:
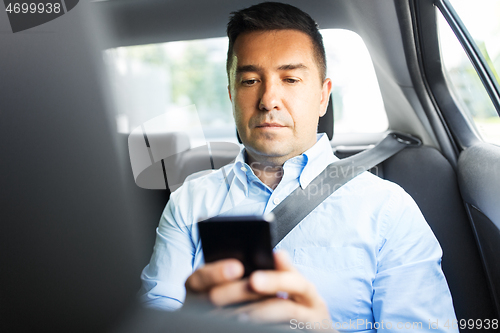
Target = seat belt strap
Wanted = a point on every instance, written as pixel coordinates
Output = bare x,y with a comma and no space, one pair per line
301,201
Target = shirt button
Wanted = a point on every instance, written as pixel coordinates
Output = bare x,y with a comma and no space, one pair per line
276,201
243,169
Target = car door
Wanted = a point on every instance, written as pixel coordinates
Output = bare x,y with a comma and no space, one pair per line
466,92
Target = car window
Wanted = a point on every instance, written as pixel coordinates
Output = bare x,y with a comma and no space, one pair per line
149,80
481,19
357,102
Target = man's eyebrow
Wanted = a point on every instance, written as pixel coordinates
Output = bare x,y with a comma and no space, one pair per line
247,69
253,68
292,66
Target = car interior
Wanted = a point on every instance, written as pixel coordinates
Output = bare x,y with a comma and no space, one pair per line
77,226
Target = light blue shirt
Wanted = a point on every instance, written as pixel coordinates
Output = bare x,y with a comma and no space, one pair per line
367,247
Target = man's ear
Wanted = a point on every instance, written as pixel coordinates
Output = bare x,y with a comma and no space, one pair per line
229,92
325,96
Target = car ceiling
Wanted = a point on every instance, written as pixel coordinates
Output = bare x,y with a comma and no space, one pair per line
129,22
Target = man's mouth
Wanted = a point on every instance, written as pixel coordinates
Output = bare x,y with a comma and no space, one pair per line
270,125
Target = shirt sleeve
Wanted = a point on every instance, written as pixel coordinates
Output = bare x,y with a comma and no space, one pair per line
172,262
410,289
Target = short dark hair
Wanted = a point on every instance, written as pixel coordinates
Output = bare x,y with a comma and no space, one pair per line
275,16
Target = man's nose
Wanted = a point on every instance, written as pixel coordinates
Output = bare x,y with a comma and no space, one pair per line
270,98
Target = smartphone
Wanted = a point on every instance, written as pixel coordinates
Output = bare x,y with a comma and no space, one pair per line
246,238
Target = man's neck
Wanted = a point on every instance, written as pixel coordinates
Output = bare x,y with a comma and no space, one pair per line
269,169
269,172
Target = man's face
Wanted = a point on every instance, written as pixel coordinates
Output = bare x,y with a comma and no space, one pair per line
277,94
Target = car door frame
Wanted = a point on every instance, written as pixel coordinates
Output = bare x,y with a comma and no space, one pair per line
477,161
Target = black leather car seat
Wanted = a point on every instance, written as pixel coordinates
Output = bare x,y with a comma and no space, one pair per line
432,182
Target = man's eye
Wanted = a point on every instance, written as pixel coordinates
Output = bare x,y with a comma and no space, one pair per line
291,80
249,82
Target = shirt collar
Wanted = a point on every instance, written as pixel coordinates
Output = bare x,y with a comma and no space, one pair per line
240,169
318,157
315,160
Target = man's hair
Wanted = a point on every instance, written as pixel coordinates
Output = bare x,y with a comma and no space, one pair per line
268,16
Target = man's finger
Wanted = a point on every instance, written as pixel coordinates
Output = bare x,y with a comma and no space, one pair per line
282,261
232,293
277,310
273,310
294,284
215,273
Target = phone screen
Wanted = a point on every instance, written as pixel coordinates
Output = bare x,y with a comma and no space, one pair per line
246,238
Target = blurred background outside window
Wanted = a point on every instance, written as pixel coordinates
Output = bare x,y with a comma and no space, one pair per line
482,20
151,80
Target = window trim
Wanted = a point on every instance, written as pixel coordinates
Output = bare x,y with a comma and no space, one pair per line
461,132
476,57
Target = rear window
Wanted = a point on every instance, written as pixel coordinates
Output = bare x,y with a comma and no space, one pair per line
481,19
151,80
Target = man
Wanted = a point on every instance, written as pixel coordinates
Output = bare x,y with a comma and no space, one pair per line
366,249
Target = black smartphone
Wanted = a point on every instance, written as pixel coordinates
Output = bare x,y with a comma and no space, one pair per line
246,238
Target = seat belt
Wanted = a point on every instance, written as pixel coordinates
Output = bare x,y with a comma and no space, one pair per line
301,201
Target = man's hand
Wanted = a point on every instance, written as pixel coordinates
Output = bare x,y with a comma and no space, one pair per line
220,283
301,302
279,295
